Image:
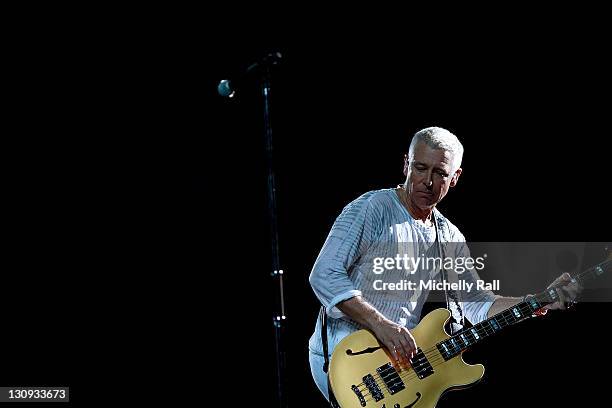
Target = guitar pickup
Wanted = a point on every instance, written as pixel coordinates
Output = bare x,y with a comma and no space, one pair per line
392,380
421,365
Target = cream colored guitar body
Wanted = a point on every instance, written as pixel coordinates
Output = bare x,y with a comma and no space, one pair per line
360,354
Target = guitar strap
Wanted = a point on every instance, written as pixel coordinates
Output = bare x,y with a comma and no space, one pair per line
453,298
323,316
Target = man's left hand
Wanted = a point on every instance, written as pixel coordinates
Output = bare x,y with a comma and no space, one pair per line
567,289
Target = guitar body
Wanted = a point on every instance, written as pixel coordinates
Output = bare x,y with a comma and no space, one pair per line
360,354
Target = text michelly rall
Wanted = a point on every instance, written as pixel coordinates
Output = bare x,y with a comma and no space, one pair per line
436,285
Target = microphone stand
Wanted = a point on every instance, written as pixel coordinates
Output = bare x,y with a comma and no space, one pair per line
262,68
279,318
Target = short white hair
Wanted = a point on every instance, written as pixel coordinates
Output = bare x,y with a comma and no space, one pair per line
439,138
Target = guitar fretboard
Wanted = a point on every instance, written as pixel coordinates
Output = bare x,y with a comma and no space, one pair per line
459,342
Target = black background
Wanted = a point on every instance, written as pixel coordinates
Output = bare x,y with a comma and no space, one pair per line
136,221
344,108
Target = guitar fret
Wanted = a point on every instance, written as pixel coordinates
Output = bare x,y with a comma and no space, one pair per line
470,337
475,334
494,324
486,326
508,317
445,347
503,319
533,304
454,344
517,313
489,327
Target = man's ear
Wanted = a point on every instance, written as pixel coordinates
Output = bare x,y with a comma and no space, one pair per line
406,165
455,178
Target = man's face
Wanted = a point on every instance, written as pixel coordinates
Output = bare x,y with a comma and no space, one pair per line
429,176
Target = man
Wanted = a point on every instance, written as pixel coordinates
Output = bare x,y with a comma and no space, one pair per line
390,223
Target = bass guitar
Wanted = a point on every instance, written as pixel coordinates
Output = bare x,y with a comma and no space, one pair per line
361,372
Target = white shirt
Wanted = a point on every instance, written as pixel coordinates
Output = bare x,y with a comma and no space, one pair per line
378,226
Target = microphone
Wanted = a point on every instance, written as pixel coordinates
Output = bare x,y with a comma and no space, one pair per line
227,87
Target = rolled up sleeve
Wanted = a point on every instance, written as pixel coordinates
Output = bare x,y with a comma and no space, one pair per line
348,239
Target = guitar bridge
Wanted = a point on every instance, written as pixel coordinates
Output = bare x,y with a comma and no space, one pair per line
373,387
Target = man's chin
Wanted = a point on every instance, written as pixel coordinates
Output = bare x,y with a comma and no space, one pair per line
425,204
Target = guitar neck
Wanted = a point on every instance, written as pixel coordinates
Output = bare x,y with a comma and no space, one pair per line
459,342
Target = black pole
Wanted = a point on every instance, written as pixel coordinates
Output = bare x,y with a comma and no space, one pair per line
279,317
227,88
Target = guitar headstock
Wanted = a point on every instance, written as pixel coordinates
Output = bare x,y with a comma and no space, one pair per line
605,265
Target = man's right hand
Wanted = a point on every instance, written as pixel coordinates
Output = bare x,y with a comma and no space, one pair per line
398,340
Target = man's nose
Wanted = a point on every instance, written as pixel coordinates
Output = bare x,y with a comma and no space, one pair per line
428,181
